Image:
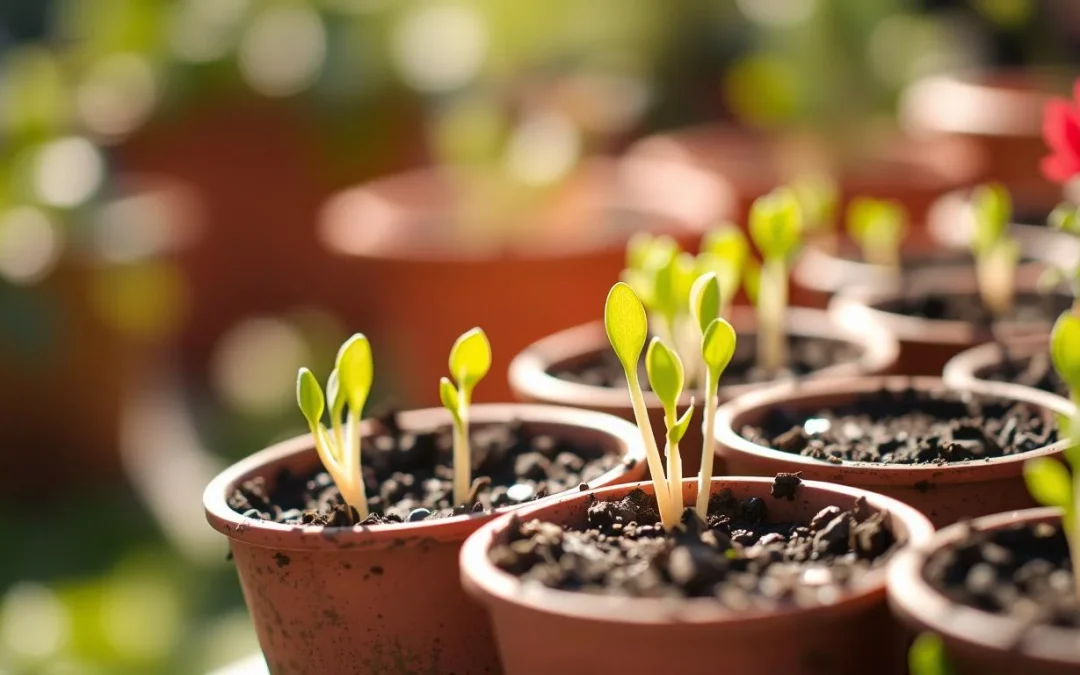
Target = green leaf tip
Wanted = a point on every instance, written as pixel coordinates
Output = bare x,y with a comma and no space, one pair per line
1065,349
449,397
309,396
718,345
665,371
355,371
470,358
705,299
1048,482
927,656
626,325
776,223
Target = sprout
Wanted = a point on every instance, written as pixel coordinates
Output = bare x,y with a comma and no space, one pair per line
775,228
627,329
996,253
348,386
818,197
927,656
470,361
878,227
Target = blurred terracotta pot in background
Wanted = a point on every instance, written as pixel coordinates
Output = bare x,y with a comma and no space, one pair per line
429,275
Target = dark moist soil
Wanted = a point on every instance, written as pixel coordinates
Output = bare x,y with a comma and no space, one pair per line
907,427
806,355
968,308
738,557
1035,371
409,476
1022,571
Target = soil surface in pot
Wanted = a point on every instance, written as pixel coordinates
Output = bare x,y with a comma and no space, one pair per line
738,557
1036,371
1022,571
806,355
968,308
409,476
907,427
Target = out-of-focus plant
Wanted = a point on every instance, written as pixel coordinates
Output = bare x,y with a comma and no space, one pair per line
776,230
470,361
996,251
819,198
878,227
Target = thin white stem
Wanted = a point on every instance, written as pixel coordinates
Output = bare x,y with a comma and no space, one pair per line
462,460
674,478
772,305
652,453
708,444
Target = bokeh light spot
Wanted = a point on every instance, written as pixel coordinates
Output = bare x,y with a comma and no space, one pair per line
283,50
543,148
68,172
34,624
117,95
30,245
440,48
255,363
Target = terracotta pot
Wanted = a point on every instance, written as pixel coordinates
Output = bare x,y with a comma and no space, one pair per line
945,493
541,630
403,253
1000,111
926,345
384,599
966,369
978,642
531,378
913,171
82,351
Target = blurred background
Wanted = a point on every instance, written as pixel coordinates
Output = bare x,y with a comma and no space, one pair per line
199,196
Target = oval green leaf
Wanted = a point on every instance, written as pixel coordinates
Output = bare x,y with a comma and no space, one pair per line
705,300
665,372
449,397
992,209
776,223
718,345
335,395
470,358
1048,482
927,656
626,325
355,370
678,430
728,244
1065,349
309,396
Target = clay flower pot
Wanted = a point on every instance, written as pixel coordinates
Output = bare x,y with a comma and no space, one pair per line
540,630
979,642
970,369
927,344
1002,112
424,280
386,598
944,492
532,379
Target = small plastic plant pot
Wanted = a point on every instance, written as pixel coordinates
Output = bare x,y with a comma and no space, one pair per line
945,493
541,630
967,370
926,345
979,642
382,599
531,371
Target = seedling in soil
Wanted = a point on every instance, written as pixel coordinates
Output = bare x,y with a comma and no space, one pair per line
470,361
996,252
627,329
776,229
878,226
347,389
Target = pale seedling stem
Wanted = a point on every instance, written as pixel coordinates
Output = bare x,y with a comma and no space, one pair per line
470,361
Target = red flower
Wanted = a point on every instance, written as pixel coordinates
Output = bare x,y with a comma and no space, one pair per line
1061,130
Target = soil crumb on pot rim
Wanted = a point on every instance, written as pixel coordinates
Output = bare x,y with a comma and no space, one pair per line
409,476
907,427
738,557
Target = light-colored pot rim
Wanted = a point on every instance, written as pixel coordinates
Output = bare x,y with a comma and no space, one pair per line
917,602
808,395
857,307
490,582
712,200
530,378
962,371
311,537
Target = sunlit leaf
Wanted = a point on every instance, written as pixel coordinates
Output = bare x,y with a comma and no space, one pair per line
309,396
449,397
1065,349
626,325
718,345
776,223
355,370
678,430
470,358
705,300
992,210
1064,217
665,372
927,656
1048,482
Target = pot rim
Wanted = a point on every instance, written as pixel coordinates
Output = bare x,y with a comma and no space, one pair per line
857,307
493,583
917,602
961,371
317,537
804,394
709,200
529,377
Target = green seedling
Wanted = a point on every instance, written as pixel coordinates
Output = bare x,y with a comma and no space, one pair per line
878,226
665,370
996,252
818,197
347,389
927,656
776,230
470,361
717,348
726,253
